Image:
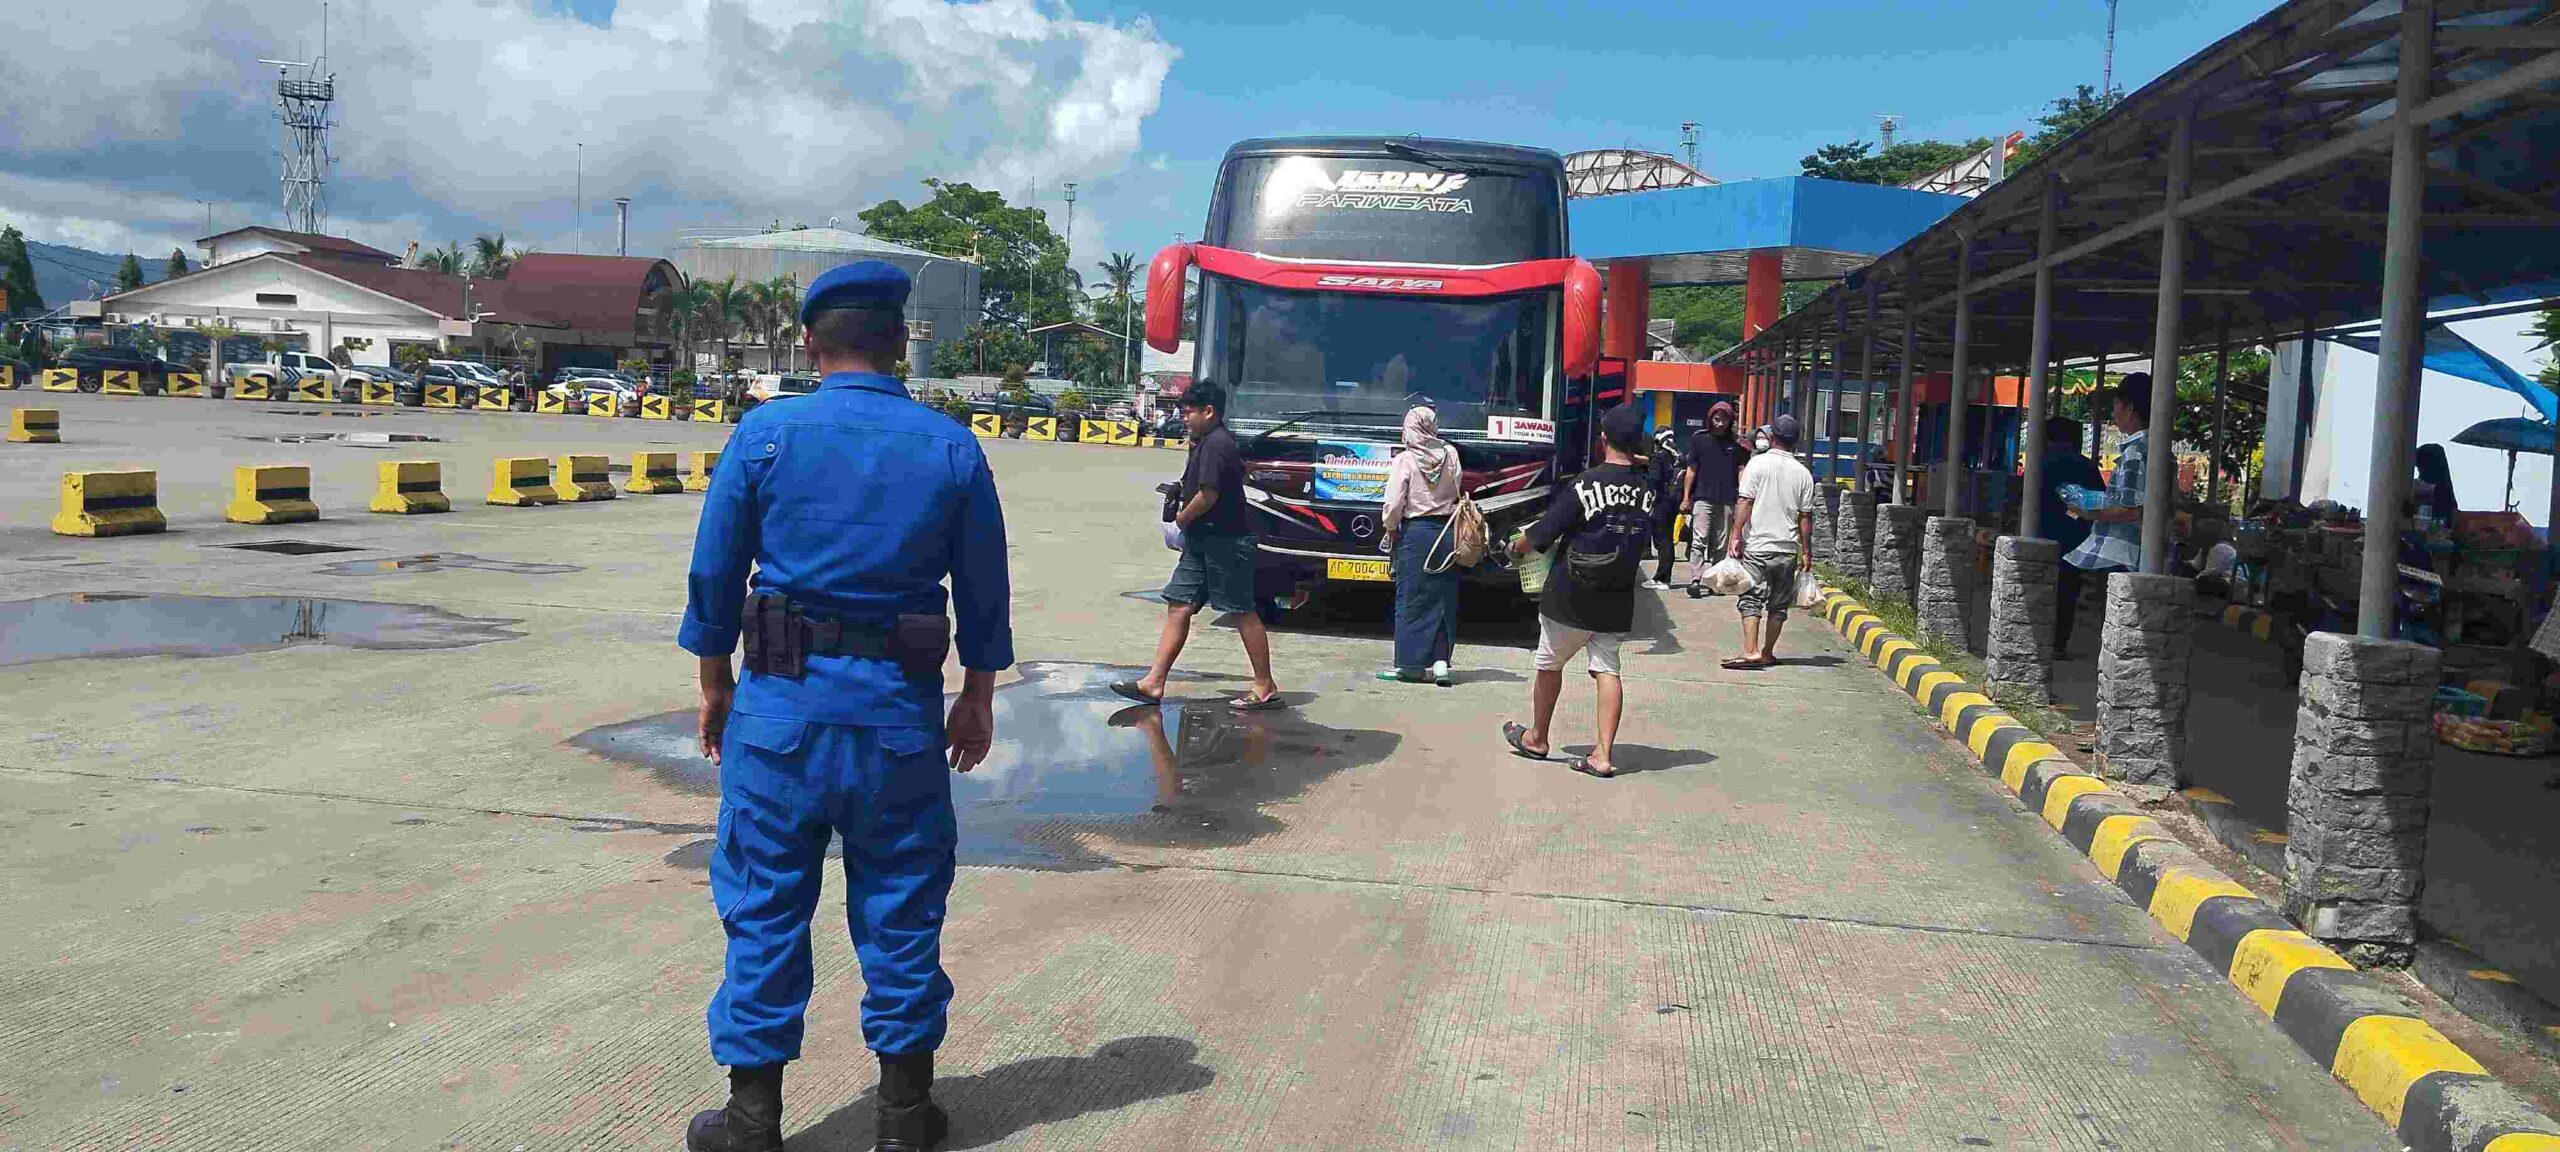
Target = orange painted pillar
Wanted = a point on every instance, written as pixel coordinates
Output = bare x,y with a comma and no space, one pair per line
1626,302
1763,290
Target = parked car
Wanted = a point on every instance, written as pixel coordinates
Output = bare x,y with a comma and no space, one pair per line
92,359
774,387
405,387
287,369
582,383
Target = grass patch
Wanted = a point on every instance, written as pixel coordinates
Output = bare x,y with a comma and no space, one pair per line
1902,620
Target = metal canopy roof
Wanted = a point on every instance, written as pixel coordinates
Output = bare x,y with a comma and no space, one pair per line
2290,136
1821,229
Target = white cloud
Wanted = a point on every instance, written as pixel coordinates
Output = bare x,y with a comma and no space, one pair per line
791,107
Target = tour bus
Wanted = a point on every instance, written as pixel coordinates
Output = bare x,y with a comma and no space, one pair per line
1345,279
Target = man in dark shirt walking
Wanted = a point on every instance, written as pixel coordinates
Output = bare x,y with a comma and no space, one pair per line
2064,467
1716,457
1602,519
1218,549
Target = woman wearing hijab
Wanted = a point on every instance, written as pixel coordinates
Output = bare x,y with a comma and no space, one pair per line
1422,490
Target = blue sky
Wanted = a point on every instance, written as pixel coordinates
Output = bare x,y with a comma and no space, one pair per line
461,116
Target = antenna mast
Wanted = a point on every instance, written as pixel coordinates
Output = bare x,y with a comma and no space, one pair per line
1885,127
2107,71
1689,142
303,107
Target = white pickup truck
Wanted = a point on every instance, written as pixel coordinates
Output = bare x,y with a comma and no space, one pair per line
288,369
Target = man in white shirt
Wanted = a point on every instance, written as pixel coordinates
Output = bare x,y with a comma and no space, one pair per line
1773,536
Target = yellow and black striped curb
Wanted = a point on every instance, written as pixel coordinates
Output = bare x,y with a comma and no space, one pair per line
2434,1095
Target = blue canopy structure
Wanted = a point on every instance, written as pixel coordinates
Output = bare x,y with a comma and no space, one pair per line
2449,353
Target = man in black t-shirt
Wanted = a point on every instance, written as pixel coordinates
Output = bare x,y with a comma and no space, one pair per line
1218,550
1598,522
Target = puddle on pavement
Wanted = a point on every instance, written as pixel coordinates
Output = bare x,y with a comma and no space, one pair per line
442,561
1072,759
107,624
359,439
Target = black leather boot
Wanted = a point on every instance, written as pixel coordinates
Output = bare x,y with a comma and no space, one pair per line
753,1120
909,1119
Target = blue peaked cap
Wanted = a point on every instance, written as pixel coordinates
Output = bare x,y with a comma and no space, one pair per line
861,284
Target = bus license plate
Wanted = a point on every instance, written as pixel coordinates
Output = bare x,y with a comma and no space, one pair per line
1357,569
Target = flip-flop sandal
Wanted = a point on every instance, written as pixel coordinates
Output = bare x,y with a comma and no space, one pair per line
1739,664
1582,764
1129,688
1513,733
1270,703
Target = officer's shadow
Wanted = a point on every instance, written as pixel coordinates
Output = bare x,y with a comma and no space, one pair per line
992,1105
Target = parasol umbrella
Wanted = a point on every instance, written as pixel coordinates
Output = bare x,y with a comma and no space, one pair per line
2511,435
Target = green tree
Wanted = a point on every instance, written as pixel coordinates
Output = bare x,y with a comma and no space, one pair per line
490,257
17,275
128,274
2546,334
685,304
448,260
2061,118
1023,275
177,264
1857,163
1709,319
773,313
725,307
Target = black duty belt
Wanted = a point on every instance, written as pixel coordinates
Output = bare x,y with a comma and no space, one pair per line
780,638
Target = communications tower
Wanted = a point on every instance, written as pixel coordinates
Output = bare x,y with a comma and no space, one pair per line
302,105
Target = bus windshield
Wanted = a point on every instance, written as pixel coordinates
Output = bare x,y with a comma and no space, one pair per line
1324,360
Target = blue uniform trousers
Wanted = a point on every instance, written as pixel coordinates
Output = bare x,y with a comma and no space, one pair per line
784,785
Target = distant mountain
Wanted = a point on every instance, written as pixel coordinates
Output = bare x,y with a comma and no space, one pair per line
64,274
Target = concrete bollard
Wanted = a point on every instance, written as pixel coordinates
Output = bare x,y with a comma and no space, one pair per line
2018,644
582,479
697,473
9,378
2142,678
409,488
2363,760
1854,551
653,474
35,426
109,504
521,482
271,494
1894,562
1826,521
1945,601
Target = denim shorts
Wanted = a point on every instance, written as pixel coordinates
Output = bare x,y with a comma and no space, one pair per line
1215,572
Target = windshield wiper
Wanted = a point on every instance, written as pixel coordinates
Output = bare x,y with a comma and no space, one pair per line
1301,417
1443,163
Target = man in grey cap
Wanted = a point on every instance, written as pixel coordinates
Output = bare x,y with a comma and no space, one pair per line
1773,536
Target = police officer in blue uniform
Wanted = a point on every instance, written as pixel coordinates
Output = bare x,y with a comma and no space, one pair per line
853,503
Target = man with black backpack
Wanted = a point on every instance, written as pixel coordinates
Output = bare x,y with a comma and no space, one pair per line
1602,519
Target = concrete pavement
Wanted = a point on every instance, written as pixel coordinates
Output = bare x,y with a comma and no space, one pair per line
396,878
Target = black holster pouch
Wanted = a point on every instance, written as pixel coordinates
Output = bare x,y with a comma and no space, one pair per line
780,639
919,644
775,636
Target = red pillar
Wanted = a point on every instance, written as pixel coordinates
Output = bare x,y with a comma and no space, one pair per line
1626,302
1762,290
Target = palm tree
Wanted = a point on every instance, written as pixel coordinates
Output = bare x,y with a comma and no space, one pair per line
1120,277
491,258
448,260
685,304
773,314
724,310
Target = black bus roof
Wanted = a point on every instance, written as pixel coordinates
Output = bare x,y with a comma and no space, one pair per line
1469,151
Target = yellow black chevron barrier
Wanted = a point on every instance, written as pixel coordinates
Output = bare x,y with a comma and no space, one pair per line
9,381
441,396
710,411
987,425
550,403
496,399
2430,1092
378,393
120,382
657,408
61,380
1040,428
109,504
35,426
271,494
311,390
186,384
254,386
409,488
653,474
603,404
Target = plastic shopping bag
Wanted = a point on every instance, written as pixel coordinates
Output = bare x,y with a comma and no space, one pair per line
1729,577
1533,570
1808,591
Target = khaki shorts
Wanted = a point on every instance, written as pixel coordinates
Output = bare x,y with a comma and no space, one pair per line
1558,642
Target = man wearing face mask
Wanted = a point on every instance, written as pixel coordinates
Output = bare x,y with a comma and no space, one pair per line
1714,480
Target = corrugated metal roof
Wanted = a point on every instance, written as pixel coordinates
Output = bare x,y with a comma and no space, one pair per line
819,240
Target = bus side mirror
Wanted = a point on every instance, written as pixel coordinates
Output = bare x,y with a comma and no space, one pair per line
1164,297
1581,320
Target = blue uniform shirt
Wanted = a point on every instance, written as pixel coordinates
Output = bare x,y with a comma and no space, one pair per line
855,501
